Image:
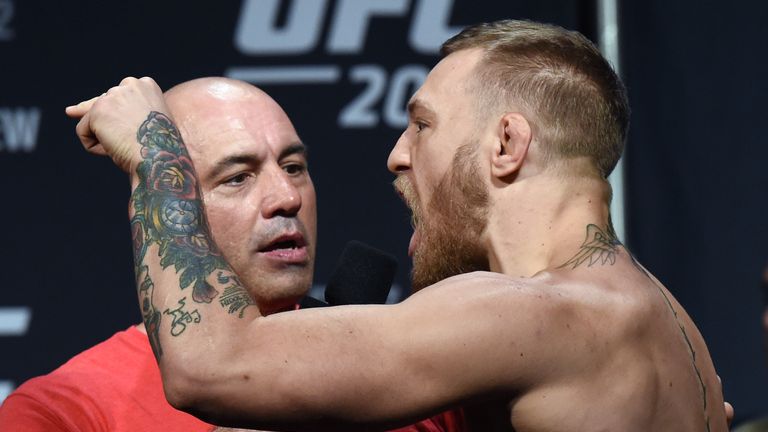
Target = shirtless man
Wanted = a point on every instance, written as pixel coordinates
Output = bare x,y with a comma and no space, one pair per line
554,326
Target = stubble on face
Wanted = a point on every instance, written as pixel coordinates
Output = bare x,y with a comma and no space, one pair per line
274,285
451,228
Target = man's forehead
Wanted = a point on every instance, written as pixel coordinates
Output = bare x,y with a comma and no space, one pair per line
237,131
448,79
239,118
207,108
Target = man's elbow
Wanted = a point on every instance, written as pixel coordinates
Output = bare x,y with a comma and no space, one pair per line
194,387
183,383
188,395
181,390
215,403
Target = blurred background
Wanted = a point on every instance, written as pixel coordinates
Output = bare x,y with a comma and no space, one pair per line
694,183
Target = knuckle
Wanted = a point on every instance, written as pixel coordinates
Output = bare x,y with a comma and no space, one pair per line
128,80
96,105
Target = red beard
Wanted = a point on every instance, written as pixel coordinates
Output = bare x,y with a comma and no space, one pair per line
449,235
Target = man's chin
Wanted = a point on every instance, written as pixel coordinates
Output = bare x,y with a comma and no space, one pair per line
426,271
279,303
434,261
278,291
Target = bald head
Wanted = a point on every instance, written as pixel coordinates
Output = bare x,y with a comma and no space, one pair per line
213,88
205,105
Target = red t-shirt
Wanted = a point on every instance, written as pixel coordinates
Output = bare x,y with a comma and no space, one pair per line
115,386
449,421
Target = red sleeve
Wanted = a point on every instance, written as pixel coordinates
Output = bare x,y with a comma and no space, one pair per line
423,426
20,412
449,421
49,404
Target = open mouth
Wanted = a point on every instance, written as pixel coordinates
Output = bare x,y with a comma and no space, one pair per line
284,242
288,249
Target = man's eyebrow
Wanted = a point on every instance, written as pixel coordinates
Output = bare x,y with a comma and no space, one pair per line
252,160
416,104
236,159
295,148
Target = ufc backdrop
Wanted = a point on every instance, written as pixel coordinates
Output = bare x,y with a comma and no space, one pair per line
343,70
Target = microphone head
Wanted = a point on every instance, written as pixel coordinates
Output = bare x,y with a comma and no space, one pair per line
308,302
363,275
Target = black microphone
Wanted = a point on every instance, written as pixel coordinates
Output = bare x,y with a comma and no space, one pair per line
308,302
363,275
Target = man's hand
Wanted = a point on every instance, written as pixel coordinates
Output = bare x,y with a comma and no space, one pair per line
729,413
108,123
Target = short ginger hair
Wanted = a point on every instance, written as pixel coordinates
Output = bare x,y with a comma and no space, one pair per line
576,104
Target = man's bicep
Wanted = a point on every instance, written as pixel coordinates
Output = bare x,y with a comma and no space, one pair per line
444,346
479,335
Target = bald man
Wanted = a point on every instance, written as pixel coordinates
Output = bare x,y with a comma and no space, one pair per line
252,172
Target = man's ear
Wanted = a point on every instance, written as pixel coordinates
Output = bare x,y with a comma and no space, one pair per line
514,138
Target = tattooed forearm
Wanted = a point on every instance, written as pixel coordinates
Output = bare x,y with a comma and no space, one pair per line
172,209
148,310
167,211
235,299
181,317
144,284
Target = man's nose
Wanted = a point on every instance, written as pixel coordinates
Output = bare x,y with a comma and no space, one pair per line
281,197
400,157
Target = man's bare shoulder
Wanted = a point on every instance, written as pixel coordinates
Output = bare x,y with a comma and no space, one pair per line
547,290
559,316
560,310
482,283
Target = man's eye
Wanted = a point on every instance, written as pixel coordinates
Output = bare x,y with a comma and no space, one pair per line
294,168
236,180
419,126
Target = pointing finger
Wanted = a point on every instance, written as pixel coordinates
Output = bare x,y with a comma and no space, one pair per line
79,110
